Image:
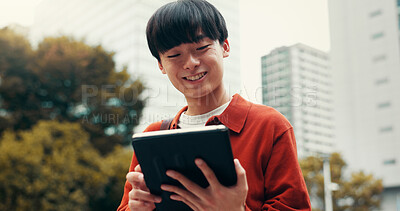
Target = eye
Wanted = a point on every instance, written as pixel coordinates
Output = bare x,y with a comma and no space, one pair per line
203,47
172,56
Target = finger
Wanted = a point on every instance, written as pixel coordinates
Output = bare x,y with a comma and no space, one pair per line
188,184
208,173
142,184
241,174
180,198
184,195
135,204
136,179
138,168
136,194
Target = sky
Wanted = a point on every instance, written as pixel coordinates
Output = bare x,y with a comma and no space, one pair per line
265,25
269,24
17,11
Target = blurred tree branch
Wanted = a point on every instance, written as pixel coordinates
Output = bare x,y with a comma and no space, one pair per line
53,166
67,80
360,192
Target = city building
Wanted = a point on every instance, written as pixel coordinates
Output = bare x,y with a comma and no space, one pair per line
296,80
365,55
120,26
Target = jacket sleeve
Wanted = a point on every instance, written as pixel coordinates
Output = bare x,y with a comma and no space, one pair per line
284,184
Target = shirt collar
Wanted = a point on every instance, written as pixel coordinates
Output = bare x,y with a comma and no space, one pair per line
234,116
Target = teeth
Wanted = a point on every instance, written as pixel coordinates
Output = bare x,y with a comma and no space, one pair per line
196,77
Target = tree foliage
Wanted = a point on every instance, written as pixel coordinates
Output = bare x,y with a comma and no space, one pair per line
358,193
15,79
53,166
67,80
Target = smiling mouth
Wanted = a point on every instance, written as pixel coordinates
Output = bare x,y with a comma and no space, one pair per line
195,77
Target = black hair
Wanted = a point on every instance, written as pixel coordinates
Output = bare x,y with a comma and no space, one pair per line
182,22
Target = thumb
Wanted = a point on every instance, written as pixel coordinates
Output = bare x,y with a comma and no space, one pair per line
138,168
130,177
241,174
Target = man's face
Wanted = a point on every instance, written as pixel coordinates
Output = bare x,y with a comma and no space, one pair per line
195,69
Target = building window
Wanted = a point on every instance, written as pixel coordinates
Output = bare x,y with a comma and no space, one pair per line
398,9
384,105
377,35
375,13
386,129
379,58
389,162
382,80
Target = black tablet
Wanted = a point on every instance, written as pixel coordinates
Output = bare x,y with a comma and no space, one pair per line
177,149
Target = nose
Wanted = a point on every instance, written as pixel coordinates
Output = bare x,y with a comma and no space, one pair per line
191,62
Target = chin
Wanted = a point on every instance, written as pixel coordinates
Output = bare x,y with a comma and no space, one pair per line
200,93
194,95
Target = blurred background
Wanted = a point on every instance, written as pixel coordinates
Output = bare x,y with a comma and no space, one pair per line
77,79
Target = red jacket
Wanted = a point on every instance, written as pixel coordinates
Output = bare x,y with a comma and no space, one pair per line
263,141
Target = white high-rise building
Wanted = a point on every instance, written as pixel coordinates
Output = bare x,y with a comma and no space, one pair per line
120,26
296,80
365,55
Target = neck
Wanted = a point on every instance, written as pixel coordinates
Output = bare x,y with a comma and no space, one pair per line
207,103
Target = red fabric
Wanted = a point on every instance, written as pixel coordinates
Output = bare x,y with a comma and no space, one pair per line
263,141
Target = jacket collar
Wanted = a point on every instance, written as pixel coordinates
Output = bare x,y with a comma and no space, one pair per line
234,116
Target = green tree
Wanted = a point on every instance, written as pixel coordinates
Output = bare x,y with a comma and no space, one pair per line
114,167
51,167
55,167
360,192
16,81
67,80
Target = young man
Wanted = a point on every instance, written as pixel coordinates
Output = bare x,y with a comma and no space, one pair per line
189,40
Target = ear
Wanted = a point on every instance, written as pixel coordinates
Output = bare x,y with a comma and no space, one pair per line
161,67
226,48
